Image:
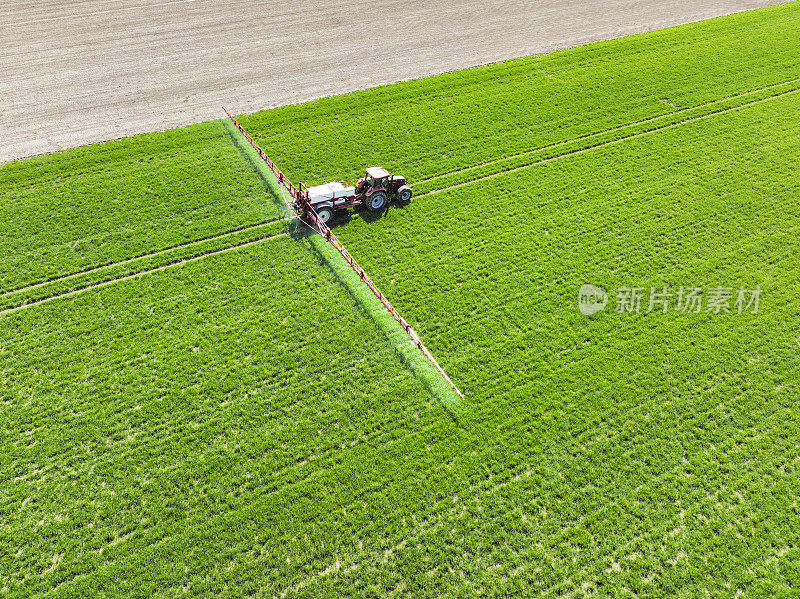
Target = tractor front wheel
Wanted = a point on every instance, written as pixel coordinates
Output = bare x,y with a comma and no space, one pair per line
377,201
404,194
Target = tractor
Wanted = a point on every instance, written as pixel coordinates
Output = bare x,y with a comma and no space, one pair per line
378,186
374,191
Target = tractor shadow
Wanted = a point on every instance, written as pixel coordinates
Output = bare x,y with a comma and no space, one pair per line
299,230
344,217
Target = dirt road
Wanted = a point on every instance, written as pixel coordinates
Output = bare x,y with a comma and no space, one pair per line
79,71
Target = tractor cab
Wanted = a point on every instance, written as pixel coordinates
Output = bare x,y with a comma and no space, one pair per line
375,179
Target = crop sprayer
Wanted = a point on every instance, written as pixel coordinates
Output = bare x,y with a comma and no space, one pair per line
315,207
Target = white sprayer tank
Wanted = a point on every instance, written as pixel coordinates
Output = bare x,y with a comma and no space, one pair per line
333,193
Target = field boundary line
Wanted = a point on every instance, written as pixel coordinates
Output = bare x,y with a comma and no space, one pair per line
140,273
245,228
166,250
601,144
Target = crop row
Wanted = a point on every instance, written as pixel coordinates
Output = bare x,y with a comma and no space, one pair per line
558,423
529,158
665,205
699,510
208,420
560,427
570,480
238,425
84,208
141,264
634,353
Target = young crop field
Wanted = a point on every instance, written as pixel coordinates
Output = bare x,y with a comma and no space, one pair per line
96,206
195,401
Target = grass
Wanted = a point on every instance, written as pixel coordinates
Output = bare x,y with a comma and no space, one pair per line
208,397
102,204
238,425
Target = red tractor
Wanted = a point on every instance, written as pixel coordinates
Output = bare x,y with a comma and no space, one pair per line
378,186
373,191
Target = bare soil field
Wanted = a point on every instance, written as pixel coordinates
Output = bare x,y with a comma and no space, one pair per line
81,71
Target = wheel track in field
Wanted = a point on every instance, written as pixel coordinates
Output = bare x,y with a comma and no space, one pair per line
113,280
428,525
609,130
501,485
600,144
285,468
172,248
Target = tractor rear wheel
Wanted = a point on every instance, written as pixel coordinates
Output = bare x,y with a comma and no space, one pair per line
325,213
404,194
377,201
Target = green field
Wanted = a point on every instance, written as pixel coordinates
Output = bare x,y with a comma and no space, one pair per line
229,418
